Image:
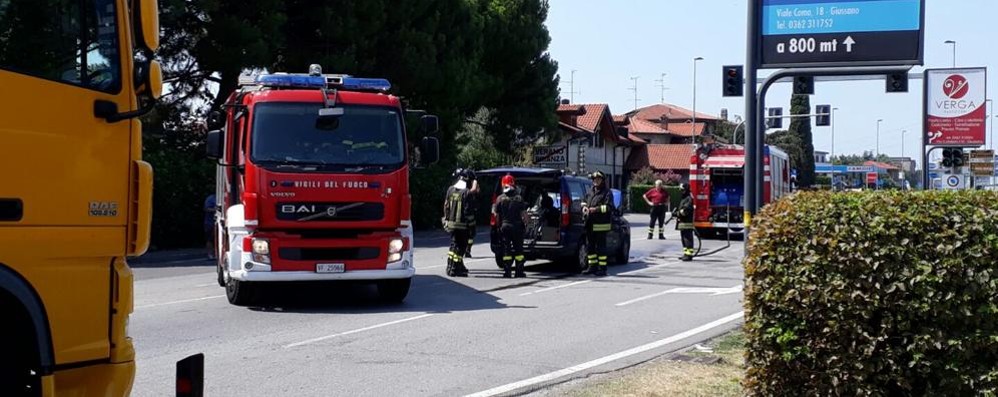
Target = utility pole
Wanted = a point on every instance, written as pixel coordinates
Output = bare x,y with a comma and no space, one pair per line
661,86
635,89
695,60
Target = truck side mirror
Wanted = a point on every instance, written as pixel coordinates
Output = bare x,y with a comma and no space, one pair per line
429,150
215,120
213,144
431,124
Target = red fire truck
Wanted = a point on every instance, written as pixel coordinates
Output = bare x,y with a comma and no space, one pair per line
717,184
313,183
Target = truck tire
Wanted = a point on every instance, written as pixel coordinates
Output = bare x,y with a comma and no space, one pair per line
220,273
624,254
241,293
20,368
394,291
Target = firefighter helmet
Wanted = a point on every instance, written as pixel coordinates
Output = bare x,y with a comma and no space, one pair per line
508,181
597,174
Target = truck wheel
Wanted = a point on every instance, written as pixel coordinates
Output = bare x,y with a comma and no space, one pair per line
220,272
394,291
21,366
624,255
240,293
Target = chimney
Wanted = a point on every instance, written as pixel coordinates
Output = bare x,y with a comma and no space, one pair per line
566,102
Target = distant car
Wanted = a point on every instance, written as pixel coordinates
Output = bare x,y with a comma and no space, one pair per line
556,230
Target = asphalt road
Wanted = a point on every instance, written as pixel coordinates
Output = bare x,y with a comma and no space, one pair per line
482,335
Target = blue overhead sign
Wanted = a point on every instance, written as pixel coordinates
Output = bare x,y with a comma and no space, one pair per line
798,33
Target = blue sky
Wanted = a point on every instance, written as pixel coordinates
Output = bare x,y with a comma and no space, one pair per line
608,42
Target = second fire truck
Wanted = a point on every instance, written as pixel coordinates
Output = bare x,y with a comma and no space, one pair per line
717,184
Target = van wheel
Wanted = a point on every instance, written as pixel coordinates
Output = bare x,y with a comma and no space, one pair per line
577,263
394,291
624,255
241,293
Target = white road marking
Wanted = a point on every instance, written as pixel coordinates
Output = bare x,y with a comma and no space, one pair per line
590,280
180,301
430,267
206,285
604,360
322,338
556,287
712,291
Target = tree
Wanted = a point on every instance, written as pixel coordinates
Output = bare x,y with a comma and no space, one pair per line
726,130
801,128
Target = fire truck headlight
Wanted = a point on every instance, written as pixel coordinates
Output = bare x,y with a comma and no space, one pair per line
395,246
261,246
261,251
392,258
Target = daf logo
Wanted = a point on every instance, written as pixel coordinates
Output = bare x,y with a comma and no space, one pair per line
300,209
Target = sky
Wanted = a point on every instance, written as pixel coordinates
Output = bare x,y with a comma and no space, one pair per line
609,42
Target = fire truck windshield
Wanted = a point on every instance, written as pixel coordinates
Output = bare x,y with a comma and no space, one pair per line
363,138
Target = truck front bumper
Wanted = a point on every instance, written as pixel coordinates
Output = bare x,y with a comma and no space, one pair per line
266,276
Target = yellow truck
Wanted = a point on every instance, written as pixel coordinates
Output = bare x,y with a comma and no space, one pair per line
75,195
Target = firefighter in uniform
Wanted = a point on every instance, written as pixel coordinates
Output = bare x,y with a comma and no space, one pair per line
458,216
598,209
472,229
510,211
684,223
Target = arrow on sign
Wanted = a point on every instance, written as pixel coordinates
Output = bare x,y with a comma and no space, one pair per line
686,290
849,42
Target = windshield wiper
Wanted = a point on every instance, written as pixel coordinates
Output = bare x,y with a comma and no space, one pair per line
364,167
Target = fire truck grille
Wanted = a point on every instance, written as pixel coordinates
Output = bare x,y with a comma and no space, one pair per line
330,212
328,254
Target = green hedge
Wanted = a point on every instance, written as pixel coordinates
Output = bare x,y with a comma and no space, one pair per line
874,294
637,204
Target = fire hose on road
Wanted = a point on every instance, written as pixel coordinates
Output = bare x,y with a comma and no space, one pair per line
699,241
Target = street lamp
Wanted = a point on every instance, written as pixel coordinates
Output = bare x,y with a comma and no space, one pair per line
833,135
903,132
695,60
954,50
878,139
991,139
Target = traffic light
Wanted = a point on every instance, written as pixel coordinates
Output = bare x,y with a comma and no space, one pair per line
804,85
823,115
734,81
775,119
953,158
897,82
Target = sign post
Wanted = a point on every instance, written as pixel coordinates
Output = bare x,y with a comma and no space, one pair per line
822,38
801,33
872,178
955,109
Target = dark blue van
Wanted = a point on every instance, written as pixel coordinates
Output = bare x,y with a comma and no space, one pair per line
556,229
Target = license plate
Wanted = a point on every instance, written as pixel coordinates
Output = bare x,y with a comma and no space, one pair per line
330,268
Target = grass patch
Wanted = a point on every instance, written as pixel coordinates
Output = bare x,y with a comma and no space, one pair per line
667,376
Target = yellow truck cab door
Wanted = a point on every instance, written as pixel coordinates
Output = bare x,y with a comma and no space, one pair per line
64,172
